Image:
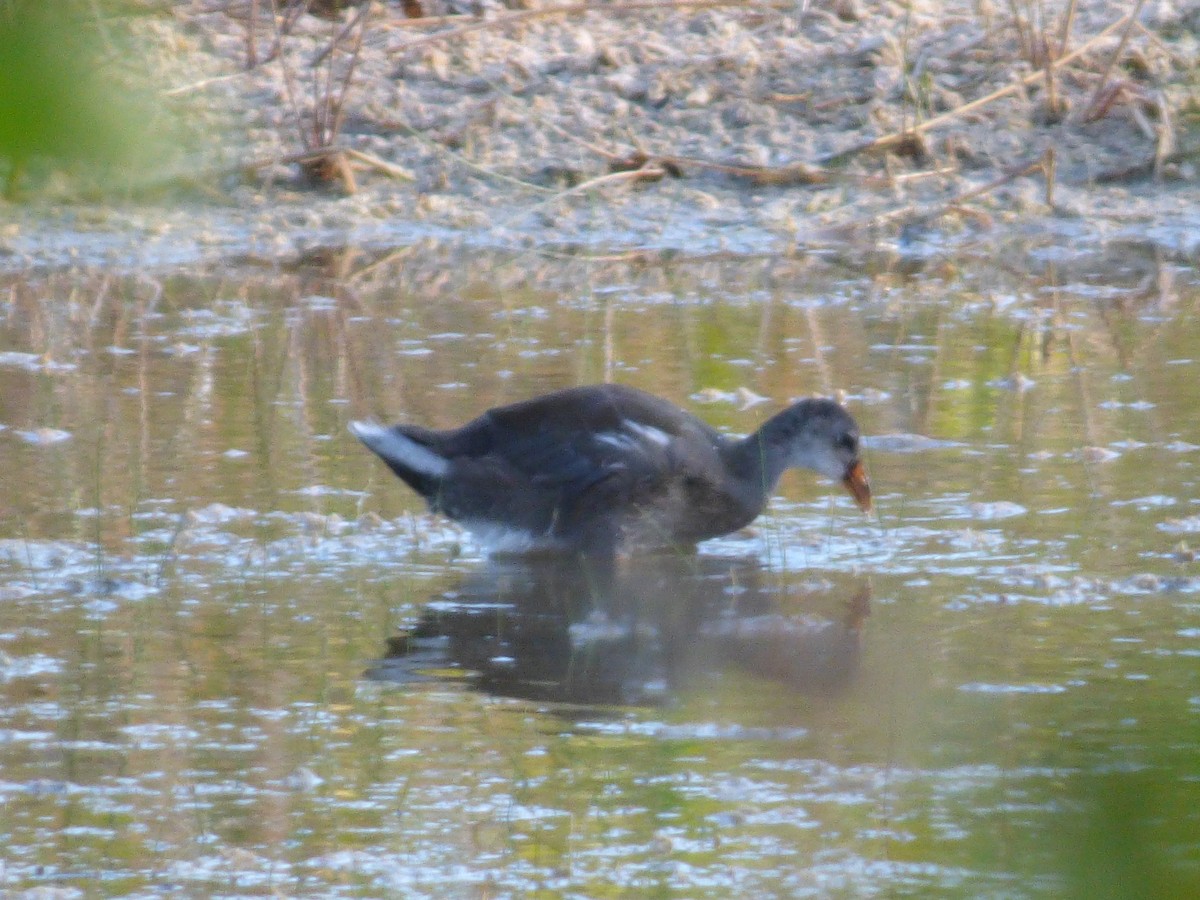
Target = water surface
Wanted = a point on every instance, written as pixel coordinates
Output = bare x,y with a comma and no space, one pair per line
238,659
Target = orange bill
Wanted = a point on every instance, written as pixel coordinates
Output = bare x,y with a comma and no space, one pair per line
858,486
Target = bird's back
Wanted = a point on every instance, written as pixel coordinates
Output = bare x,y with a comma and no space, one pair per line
578,467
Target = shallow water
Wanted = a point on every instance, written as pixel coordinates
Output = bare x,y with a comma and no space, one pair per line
237,659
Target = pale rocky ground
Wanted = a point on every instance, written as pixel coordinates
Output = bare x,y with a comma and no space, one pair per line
511,130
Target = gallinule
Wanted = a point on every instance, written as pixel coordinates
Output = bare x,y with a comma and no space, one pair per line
608,467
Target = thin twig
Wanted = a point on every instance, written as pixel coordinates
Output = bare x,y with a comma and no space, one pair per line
339,106
1130,21
203,83
327,50
382,165
647,172
941,210
463,161
386,259
888,140
289,77
1064,33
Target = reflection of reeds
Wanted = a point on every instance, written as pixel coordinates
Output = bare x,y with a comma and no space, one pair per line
236,680
153,394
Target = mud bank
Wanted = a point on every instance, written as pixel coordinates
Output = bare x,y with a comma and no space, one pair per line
703,128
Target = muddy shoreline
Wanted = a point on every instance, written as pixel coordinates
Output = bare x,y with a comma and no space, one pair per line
702,129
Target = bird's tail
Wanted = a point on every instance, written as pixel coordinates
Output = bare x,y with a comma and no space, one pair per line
418,466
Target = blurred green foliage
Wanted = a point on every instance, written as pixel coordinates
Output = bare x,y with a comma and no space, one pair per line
61,102
1126,837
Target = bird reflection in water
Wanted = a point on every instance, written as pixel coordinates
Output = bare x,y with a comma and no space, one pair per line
631,631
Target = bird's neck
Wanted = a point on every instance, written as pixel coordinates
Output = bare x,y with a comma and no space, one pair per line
762,457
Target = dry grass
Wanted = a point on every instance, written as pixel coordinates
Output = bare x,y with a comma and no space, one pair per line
1034,53
856,113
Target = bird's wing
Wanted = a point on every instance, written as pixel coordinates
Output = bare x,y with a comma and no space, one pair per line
593,450
574,461
604,442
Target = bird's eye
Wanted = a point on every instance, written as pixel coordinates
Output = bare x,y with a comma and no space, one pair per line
848,441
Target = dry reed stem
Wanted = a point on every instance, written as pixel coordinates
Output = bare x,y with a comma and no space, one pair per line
473,166
651,171
316,154
358,17
381,165
1130,20
1045,164
888,140
1050,173
1064,32
203,83
793,173
1166,136
329,115
385,260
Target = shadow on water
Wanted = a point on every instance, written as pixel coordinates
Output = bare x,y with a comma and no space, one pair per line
633,633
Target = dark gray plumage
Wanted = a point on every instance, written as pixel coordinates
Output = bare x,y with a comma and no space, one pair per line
609,467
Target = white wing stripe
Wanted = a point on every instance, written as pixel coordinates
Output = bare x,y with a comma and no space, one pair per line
647,433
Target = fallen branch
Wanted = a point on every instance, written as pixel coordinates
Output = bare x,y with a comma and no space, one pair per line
651,171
